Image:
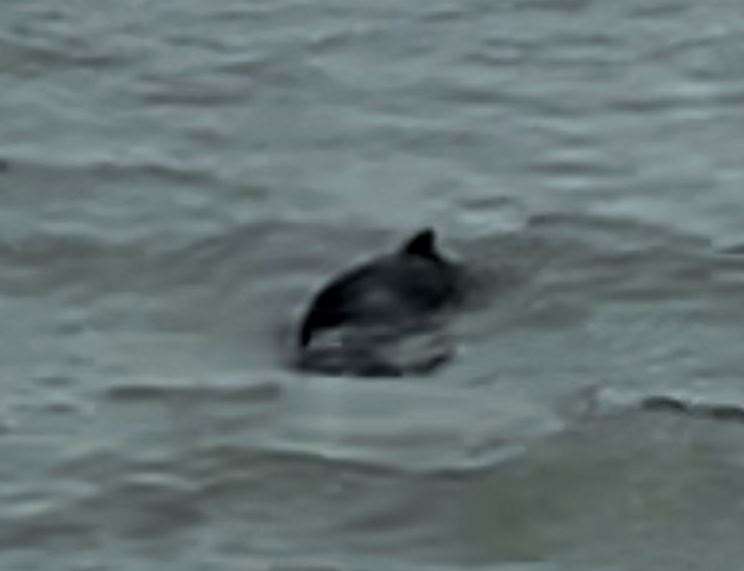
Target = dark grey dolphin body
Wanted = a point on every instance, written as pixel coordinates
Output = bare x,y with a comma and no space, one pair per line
390,291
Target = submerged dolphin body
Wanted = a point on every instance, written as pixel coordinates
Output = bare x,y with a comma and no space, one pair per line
395,293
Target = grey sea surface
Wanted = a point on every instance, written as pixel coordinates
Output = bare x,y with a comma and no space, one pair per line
177,179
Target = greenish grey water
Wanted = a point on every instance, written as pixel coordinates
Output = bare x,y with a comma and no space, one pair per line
177,179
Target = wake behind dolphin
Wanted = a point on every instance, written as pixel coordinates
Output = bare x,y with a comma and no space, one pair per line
377,319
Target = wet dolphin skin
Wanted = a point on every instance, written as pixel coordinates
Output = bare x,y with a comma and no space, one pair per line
390,290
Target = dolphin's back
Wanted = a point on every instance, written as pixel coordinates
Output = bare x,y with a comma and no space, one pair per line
394,291
391,290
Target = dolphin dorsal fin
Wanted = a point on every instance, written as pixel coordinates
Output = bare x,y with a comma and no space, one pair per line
422,245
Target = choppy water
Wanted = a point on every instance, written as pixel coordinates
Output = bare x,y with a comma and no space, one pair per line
178,178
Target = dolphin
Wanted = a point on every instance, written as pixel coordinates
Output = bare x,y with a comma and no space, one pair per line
393,290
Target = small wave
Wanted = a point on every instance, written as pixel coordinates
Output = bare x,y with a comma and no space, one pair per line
684,97
733,250
710,410
577,167
110,167
133,506
52,261
192,94
554,5
444,13
251,12
22,56
662,10
154,391
622,231
604,401
175,172
283,452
